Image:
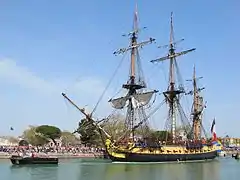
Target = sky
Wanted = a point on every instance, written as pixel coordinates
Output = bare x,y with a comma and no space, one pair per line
50,47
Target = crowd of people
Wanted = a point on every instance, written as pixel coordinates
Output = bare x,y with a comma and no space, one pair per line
69,150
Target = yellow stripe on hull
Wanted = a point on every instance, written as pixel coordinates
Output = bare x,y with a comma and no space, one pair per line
123,152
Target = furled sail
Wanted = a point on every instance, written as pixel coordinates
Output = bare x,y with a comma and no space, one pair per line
138,100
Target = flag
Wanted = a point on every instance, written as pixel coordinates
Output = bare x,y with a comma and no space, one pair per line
213,131
135,23
213,124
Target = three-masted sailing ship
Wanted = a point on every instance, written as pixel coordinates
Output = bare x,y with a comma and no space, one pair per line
126,148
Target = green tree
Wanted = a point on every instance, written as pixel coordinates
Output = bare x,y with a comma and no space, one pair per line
50,132
160,136
144,131
88,132
114,126
69,138
23,143
32,137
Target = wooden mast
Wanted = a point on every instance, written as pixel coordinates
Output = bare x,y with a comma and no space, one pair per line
131,85
196,120
88,116
198,107
172,92
133,44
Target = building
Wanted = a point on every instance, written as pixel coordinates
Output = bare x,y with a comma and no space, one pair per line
230,141
8,141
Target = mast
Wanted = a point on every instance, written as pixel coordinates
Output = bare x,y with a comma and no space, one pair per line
197,108
88,116
132,85
172,92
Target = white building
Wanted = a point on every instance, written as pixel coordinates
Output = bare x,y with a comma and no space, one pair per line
5,141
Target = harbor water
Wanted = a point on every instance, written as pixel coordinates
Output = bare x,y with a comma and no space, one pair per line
97,169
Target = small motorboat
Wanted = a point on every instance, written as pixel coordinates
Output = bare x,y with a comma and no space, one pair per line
33,159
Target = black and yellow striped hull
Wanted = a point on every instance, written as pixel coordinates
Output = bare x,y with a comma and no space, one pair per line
150,157
167,153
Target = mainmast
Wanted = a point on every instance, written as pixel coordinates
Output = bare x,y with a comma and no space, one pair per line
198,107
133,97
172,92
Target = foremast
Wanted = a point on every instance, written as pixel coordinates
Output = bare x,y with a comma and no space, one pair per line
134,99
197,108
173,92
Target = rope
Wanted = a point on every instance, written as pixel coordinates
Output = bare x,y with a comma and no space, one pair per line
144,120
110,81
182,116
140,70
180,81
203,129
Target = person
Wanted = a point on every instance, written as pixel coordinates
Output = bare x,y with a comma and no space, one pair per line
33,155
20,153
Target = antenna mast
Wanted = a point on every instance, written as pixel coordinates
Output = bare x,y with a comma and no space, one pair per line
172,92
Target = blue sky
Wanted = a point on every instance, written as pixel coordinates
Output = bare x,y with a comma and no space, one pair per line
47,47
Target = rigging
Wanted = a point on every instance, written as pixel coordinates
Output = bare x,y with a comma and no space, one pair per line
172,94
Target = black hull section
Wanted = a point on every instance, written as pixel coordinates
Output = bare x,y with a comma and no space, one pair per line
33,160
137,157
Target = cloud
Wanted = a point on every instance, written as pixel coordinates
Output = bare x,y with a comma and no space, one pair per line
12,73
44,103
41,101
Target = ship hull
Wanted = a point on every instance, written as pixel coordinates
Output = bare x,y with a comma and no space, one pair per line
139,157
17,160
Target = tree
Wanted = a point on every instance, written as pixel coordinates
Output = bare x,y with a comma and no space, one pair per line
160,136
90,135
23,143
114,126
50,132
13,140
144,131
32,138
69,138
88,132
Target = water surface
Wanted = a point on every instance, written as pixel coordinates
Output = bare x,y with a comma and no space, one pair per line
93,169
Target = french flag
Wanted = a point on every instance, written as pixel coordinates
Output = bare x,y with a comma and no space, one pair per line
213,131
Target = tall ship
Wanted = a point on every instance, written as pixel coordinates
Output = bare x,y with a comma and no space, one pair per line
133,147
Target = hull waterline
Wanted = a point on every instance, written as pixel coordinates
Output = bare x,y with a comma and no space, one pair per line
138,157
16,160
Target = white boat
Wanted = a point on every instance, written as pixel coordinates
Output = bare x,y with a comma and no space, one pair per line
222,154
